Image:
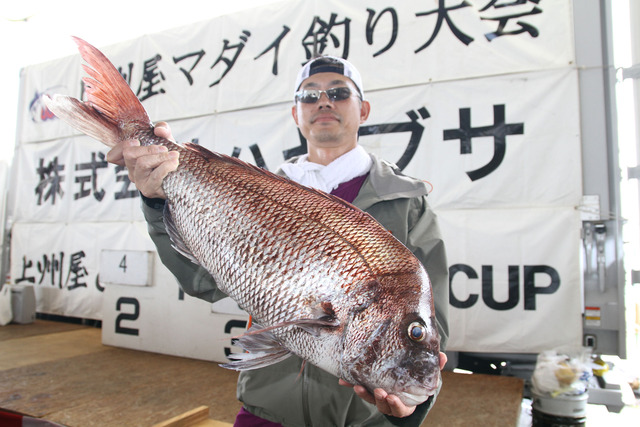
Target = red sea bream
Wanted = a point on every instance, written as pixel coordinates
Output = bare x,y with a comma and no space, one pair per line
322,279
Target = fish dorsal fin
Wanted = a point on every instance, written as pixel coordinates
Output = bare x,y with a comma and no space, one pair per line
204,152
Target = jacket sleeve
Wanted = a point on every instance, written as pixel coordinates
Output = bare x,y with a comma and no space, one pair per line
194,279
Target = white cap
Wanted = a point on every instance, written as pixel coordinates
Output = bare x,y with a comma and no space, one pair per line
330,64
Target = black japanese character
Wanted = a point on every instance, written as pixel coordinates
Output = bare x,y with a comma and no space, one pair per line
127,75
77,271
499,131
93,166
187,74
26,264
443,15
412,126
50,183
276,46
52,267
316,39
503,20
507,3
371,26
124,192
151,77
99,287
229,62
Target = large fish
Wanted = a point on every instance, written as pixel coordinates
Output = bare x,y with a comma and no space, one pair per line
322,279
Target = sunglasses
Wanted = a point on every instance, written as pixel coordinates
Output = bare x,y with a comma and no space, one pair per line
311,96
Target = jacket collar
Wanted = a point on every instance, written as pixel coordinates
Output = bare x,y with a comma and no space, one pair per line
385,182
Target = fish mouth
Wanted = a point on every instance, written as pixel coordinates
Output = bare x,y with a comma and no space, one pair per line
410,399
415,395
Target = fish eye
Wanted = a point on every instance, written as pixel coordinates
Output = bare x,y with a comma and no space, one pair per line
417,331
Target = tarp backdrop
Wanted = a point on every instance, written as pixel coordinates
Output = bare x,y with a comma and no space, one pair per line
479,98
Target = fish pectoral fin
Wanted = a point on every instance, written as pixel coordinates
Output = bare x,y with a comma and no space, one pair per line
322,316
313,326
249,361
263,349
310,325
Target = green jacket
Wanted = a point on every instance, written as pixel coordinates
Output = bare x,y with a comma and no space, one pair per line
286,393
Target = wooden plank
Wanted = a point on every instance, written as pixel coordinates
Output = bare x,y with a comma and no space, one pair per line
110,386
212,423
187,419
198,417
38,327
35,349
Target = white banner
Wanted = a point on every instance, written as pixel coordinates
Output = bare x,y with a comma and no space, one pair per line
478,98
497,142
515,281
199,69
488,151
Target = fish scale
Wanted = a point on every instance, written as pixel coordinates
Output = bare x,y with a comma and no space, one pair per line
321,278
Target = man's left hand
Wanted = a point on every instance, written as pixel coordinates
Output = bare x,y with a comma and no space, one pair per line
386,403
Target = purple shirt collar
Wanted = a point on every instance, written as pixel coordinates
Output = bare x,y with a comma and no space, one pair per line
349,190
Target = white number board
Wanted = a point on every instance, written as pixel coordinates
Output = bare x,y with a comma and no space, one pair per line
131,268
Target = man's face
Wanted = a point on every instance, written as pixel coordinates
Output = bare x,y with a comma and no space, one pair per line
326,123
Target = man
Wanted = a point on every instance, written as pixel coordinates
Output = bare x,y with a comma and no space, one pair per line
329,109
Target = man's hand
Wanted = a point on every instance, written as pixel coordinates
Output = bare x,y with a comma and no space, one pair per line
387,404
149,165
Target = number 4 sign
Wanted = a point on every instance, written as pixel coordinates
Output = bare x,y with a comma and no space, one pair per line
131,268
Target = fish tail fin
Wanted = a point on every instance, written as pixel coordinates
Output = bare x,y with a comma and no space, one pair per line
83,117
112,112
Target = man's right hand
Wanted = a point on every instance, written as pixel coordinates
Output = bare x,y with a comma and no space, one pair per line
148,165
